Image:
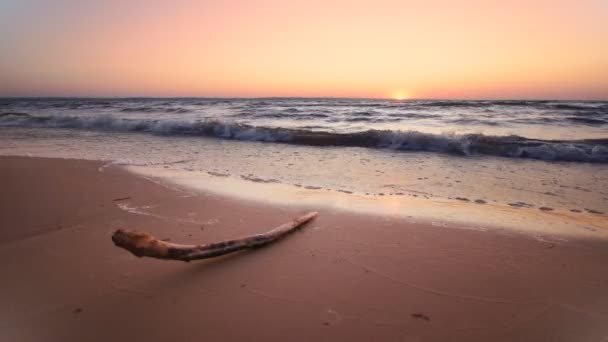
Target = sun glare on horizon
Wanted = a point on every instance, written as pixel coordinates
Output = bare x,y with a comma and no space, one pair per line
400,95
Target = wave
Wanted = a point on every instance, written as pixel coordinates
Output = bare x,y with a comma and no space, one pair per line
145,109
587,121
591,150
452,103
579,106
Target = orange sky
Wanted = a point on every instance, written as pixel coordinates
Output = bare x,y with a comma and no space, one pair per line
379,48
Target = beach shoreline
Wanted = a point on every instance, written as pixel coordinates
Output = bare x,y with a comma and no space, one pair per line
544,223
346,275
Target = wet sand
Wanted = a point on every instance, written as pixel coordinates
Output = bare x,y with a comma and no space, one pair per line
345,276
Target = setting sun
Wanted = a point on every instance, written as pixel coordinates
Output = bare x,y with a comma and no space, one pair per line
401,95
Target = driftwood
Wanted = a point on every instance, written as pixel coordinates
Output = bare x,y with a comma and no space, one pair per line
143,244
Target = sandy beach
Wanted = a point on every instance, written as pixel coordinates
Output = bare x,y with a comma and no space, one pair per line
345,276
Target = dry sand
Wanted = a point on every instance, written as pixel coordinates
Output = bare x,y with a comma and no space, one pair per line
345,277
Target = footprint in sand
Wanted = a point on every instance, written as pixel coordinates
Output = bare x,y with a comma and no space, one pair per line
330,316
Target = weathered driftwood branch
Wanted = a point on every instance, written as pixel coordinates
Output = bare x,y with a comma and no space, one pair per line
143,244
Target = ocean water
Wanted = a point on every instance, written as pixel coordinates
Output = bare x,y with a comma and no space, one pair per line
547,130
547,158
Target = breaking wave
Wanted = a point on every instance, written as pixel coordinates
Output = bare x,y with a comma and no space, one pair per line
591,150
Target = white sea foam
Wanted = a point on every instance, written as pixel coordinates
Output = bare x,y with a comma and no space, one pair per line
590,150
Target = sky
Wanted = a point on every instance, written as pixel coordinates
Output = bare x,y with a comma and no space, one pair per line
316,48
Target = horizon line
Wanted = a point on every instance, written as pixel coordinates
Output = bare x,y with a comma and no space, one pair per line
297,97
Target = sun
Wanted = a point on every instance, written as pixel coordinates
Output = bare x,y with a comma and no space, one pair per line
400,95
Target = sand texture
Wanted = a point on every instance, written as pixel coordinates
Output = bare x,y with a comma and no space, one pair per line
345,277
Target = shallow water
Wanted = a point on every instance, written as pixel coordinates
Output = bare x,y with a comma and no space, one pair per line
346,169
473,189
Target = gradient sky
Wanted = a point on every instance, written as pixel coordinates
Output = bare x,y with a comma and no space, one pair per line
380,48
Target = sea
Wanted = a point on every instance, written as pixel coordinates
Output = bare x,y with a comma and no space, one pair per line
452,159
